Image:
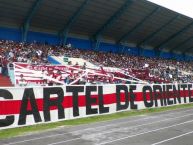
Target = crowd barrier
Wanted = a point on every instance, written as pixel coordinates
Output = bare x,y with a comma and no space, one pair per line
24,106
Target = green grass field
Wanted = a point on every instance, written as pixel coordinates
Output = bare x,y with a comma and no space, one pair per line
8,133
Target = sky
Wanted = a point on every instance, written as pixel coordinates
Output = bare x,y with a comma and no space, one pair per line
181,6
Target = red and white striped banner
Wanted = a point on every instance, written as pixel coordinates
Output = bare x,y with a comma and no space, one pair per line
33,73
27,106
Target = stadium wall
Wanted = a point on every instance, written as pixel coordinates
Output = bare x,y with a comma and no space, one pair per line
33,105
15,35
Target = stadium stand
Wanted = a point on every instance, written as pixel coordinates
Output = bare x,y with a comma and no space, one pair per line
152,70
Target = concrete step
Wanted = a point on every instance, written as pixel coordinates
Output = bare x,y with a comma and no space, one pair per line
5,81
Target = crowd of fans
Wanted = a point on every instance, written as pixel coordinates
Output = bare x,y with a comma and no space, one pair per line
153,70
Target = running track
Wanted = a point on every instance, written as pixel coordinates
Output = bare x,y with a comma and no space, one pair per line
166,128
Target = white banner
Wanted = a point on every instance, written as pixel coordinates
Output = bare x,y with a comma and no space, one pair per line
28,106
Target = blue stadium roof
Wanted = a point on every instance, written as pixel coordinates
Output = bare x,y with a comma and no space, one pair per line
139,22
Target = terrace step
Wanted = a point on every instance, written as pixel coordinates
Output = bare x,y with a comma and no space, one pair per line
5,81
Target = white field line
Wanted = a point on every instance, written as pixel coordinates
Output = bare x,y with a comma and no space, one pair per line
158,129
169,139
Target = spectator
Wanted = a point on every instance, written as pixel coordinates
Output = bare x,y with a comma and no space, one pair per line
22,81
137,66
4,67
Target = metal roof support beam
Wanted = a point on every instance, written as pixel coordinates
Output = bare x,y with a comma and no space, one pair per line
162,44
187,50
184,57
97,44
149,37
140,51
111,21
121,49
125,36
113,18
181,44
71,21
26,23
157,53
